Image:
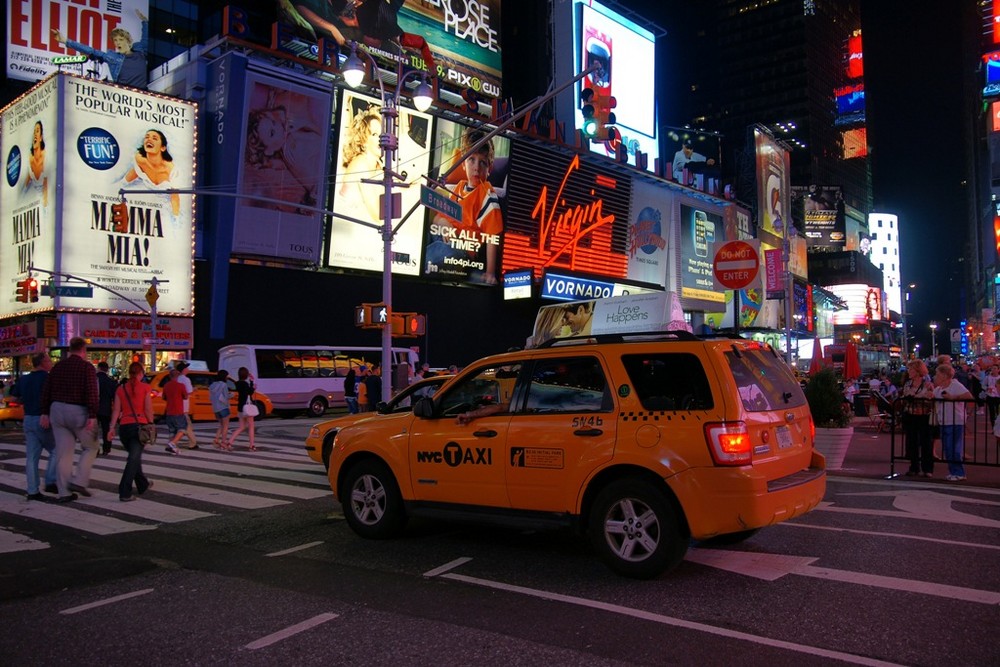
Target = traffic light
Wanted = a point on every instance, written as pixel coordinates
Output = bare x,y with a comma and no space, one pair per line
589,127
414,324
22,290
119,217
32,287
604,116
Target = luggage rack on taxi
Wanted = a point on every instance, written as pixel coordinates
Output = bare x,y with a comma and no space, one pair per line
630,337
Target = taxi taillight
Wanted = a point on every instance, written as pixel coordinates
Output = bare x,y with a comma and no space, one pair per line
729,443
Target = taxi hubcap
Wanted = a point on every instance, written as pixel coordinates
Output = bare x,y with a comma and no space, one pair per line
632,529
368,499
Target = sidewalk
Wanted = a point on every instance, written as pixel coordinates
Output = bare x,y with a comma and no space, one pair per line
869,457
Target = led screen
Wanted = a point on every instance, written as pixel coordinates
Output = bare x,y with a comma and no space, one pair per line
855,143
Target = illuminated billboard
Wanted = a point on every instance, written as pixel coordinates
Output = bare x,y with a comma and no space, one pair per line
700,229
57,214
565,214
587,32
855,56
855,142
31,43
820,208
773,192
991,73
463,36
359,158
467,250
284,158
691,151
648,233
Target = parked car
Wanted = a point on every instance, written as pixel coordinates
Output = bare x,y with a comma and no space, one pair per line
201,404
641,441
11,409
319,442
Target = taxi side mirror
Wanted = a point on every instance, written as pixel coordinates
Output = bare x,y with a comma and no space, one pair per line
381,407
424,408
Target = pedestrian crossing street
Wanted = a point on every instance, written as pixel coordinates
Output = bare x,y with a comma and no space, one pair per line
192,485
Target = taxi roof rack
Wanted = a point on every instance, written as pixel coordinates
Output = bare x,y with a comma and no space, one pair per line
674,334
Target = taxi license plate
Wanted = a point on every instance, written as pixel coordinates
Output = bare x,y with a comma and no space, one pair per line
784,437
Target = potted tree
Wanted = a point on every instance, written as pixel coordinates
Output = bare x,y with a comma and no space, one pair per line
832,419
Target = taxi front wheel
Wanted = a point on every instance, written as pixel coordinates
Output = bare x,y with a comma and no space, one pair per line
635,531
372,503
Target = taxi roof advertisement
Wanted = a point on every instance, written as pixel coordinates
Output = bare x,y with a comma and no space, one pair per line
109,139
31,44
463,35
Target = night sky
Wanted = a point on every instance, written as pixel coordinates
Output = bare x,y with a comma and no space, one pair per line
915,117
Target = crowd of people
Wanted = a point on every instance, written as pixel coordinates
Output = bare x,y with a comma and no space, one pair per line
74,401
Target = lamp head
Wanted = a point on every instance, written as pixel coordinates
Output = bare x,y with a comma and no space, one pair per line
423,96
354,69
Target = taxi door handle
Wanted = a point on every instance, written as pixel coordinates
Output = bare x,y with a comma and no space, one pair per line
589,433
490,433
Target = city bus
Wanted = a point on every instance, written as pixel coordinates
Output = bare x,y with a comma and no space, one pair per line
872,358
310,378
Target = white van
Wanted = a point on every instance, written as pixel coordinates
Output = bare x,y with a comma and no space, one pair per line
302,377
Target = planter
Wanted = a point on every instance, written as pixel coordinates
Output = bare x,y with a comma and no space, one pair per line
832,443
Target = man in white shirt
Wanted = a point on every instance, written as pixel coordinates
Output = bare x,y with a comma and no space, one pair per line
184,380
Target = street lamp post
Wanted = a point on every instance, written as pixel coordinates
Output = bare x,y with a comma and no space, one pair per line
934,327
906,304
354,72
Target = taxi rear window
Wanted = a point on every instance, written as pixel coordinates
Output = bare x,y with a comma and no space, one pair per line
669,381
763,380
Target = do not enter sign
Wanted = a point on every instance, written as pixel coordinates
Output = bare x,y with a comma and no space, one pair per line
736,264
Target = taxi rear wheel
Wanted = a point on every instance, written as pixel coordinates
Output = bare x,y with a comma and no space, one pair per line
634,529
372,503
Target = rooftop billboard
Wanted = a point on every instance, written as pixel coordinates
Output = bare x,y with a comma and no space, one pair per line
32,41
587,32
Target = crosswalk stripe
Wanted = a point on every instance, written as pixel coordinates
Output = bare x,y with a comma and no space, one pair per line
151,510
236,456
11,542
218,464
258,486
66,515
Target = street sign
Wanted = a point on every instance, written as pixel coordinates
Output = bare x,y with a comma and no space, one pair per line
152,295
435,201
78,291
736,264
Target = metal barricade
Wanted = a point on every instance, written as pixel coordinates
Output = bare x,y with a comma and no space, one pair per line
979,446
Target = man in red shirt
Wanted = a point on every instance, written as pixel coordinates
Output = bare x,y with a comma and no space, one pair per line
70,399
174,394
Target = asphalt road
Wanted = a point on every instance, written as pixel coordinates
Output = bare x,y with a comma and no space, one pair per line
244,558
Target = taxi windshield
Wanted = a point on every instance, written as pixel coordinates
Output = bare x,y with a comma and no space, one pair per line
763,380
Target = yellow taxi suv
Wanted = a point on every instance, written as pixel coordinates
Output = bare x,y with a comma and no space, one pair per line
641,441
319,442
200,402
11,409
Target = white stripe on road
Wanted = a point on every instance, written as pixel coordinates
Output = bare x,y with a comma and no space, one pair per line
897,584
446,567
218,463
65,515
255,485
204,494
106,601
301,547
671,621
921,538
290,631
11,542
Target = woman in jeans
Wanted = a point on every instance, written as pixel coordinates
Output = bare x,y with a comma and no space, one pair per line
133,407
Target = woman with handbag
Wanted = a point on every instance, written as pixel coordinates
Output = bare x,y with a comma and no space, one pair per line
246,407
917,392
133,413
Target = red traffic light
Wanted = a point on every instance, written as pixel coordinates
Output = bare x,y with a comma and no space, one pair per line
32,286
119,217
